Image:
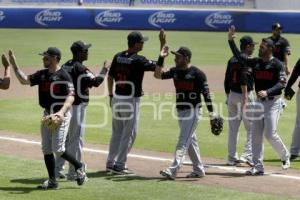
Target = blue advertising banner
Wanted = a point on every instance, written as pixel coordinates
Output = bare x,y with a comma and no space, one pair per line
183,20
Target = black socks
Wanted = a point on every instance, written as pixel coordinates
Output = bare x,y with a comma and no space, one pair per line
50,164
72,160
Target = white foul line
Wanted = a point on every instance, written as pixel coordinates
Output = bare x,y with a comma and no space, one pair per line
25,141
234,169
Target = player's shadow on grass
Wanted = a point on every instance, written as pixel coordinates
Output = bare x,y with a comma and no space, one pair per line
31,183
121,178
226,174
97,174
18,190
279,161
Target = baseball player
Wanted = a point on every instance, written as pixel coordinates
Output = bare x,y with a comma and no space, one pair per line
282,48
5,81
295,146
189,82
234,86
269,79
83,79
126,73
56,95
281,51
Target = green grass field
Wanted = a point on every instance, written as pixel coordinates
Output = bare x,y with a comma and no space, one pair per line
18,184
209,49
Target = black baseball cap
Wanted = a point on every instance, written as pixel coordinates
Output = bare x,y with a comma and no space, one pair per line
246,40
183,51
276,26
136,37
268,41
52,51
80,46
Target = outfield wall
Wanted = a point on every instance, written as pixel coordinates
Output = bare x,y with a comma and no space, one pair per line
145,19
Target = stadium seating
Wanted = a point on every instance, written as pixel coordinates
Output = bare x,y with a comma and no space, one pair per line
195,2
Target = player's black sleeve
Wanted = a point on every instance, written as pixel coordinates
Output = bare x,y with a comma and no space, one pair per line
92,80
227,78
276,89
205,91
250,62
100,77
168,74
286,46
35,79
148,65
294,75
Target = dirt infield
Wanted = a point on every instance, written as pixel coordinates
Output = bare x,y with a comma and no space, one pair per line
149,169
151,85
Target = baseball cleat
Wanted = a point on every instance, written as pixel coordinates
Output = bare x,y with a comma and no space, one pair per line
122,171
230,163
254,172
196,175
246,160
48,185
166,173
109,169
81,175
285,164
233,163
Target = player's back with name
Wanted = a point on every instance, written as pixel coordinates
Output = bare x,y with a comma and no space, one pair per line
128,71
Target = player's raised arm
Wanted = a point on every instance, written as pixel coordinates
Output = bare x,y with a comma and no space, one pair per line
162,38
98,79
22,77
232,45
158,70
5,82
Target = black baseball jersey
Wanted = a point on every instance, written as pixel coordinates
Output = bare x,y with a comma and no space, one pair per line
294,76
53,88
281,47
83,79
189,84
128,72
269,76
237,75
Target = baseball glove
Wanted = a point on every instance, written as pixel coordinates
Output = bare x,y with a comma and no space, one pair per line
289,93
216,125
51,122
